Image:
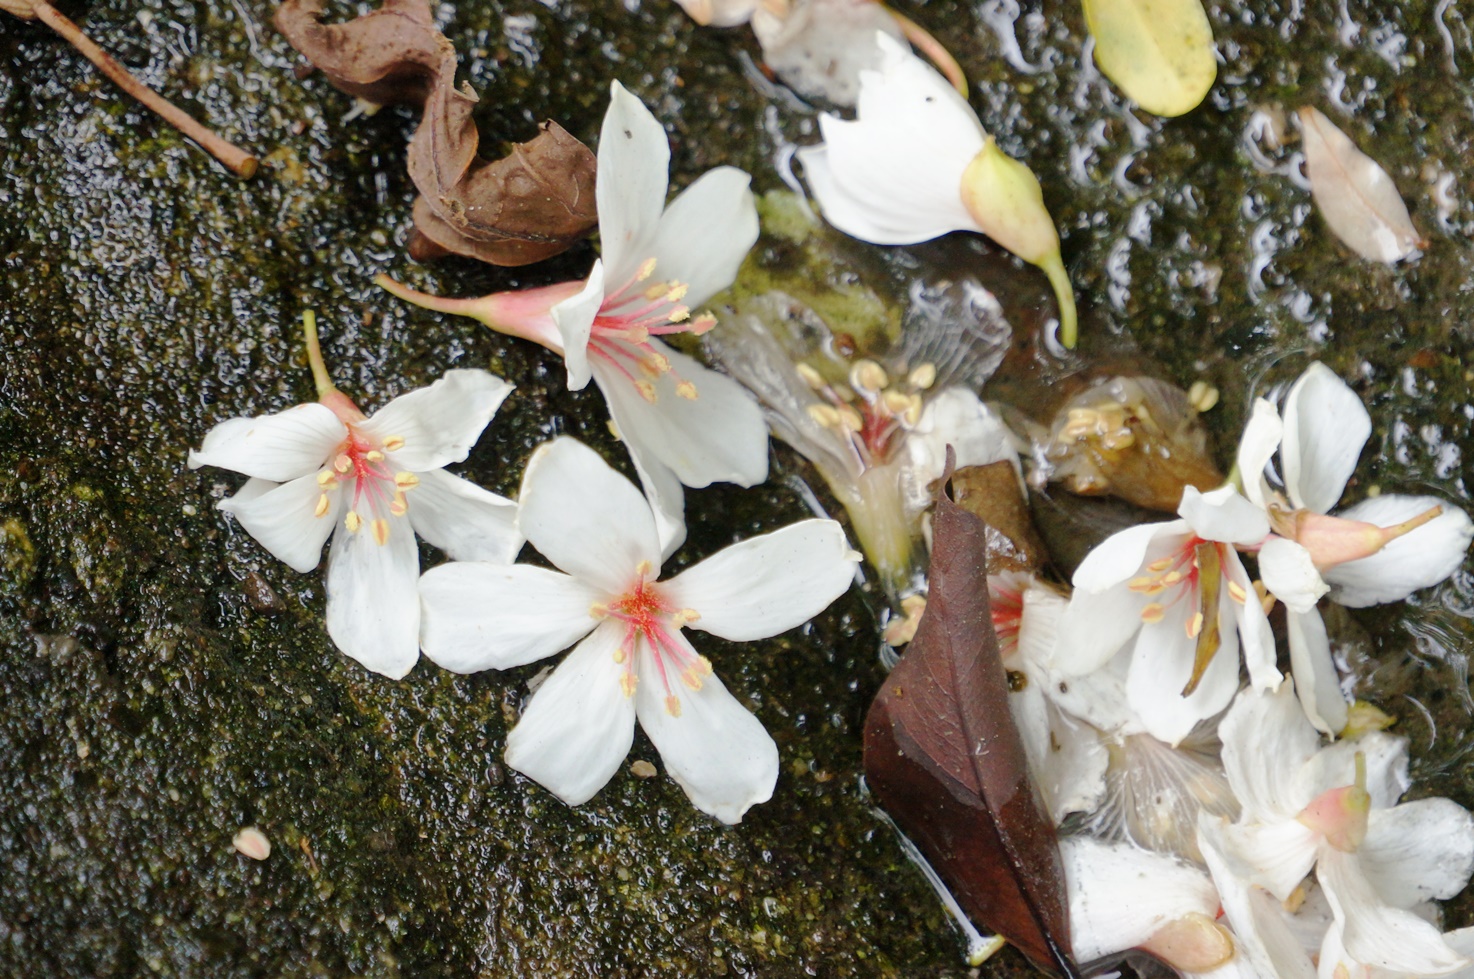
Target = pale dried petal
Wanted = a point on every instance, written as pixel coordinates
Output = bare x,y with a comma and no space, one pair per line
1355,195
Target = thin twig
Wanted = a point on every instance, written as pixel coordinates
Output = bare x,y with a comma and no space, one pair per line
241,163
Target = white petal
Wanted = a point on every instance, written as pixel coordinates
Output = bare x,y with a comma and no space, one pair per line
1162,664
487,616
1316,680
579,725
373,599
769,584
1120,895
1326,426
634,166
1276,854
1290,575
1256,638
1415,560
1375,933
1120,557
666,495
1223,515
464,520
705,233
279,447
1257,446
584,517
574,317
1260,931
1418,851
282,518
1098,697
1070,763
1094,628
1266,742
716,750
439,423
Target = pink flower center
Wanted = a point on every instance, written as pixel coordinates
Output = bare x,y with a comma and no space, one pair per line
872,412
375,489
1194,572
649,619
1008,615
633,313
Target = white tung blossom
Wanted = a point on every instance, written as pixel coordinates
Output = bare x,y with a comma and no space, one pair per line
682,423
632,659
377,481
1380,550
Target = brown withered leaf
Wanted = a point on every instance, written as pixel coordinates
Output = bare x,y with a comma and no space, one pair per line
944,759
530,205
991,493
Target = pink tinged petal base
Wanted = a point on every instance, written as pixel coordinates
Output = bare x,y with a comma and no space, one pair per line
579,725
713,747
768,584
434,426
373,603
478,616
279,447
464,520
583,516
282,518
1121,895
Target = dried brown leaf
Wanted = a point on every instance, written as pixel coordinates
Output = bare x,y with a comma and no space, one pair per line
991,493
1355,195
946,762
530,205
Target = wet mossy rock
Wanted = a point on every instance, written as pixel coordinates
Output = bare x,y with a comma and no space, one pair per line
155,697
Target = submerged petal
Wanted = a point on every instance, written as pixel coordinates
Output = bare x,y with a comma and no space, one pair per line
283,517
714,748
279,447
464,520
485,616
579,725
584,517
769,584
1326,426
373,599
1418,559
437,425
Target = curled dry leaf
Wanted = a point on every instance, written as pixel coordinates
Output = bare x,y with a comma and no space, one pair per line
1355,195
992,494
530,205
945,760
1160,52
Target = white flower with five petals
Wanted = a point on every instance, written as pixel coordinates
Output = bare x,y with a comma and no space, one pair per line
1177,593
633,661
682,423
1380,550
378,481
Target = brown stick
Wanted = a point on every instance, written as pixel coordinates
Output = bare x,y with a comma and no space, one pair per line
241,163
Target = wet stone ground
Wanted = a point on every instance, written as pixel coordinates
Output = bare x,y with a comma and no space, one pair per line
164,681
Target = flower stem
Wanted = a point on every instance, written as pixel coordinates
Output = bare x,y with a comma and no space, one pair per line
237,160
1054,267
314,355
923,41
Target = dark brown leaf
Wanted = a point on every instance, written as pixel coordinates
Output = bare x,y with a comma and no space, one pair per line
991,493
530,205
944,759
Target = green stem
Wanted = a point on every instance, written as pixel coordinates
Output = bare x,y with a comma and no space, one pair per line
314,355
1064,294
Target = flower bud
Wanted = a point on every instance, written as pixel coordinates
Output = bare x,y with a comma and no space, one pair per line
1336,540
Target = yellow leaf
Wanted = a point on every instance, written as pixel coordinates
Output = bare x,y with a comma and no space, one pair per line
1160,52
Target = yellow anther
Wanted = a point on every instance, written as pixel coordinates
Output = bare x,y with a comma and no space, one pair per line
679,315
659,361
1202,396
342,463
327,477
399,506
686,390
394,443
691,678
702,663
673,705
912,414
691,615
703,324
868,376
1142,583
677,292
322,506
598,610
825,415
374,455
406,481
1153,613
643,569
656,290
1195,625
896,402
620,655
923,376
1171,577
380,528
1266,600
1118,440
637,335
1162,564
851,418
647,269
647,390
627,682
810,376
1236,592
353,522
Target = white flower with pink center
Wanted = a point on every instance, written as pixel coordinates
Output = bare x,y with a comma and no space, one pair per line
377,481
1178,596
682,423
632,659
